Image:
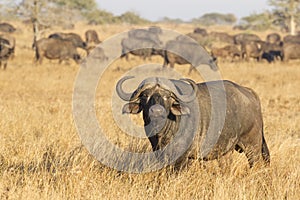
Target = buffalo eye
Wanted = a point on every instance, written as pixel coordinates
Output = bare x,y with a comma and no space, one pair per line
144,97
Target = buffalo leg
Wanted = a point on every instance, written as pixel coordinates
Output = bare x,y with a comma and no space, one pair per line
254,146
265,151
165,63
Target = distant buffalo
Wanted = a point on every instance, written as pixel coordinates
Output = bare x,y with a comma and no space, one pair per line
164,103
155,30
7,28
12,43
251,50
6,51
52,48
200,39
273,38
254,49
144,48
291,51
200,31
91,40
273,49
222,37
291,39
245,37
230,51
72,37
187,52
91,36
145,34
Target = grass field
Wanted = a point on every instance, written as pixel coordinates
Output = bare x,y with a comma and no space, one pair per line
41,156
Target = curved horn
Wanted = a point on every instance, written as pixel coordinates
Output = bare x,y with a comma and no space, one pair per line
5,43
189,97
123,95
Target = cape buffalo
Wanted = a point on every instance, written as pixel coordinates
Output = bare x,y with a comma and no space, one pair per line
291,51
73,37
12,43
145,34
231,51
164,103
200,39
155,29
52,48
273,49
273,38
144,48
243,37
91,36
222,37
291,39
181,53
200,31
7,47
259,50
251,50
91,40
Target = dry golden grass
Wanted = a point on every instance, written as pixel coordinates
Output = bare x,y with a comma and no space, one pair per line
41,156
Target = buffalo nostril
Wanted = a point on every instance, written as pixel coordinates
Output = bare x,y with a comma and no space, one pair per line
157,111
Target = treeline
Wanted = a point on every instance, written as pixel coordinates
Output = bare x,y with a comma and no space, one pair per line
284,15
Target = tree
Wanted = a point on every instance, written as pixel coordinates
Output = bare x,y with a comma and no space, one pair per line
6,8
83,6
258,21
215,18
286,13
46,13
132,18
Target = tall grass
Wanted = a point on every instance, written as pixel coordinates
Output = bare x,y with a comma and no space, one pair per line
41,155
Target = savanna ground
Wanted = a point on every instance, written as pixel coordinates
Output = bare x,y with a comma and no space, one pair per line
41,155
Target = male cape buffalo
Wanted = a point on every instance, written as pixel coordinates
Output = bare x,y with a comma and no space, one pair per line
91,40
7,46
145,34
273,38
73,37
12,43
164,102
243,37
291,51
183,52
144,48
52,48
231,51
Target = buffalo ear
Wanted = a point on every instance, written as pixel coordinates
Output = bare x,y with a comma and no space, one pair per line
131,108
179,109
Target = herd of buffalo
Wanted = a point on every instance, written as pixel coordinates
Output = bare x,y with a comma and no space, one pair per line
60,46
146,43
242,46
164,102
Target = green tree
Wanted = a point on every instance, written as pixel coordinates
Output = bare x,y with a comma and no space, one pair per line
215,18
81,5
258,21
132,18
6,9
286,13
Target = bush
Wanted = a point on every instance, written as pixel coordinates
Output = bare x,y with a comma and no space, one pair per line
215,19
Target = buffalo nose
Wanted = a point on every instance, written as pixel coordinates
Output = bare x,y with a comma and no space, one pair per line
157,111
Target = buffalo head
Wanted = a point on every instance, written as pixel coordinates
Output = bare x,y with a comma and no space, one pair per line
161,102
